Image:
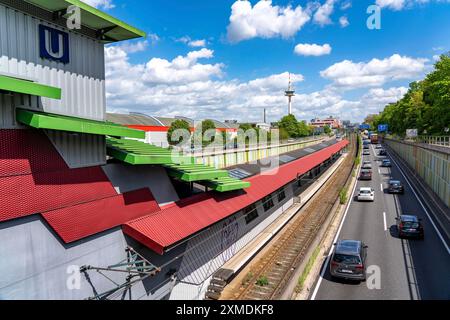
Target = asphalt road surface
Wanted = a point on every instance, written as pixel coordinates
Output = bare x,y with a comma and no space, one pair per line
409,269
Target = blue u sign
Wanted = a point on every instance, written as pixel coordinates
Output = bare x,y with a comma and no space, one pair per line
54,44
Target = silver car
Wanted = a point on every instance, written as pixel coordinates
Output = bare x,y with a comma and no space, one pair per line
349,260
367,165
366,194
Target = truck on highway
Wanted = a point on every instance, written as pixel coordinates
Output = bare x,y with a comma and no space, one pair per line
374,138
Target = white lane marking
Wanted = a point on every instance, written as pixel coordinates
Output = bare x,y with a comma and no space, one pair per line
379,171
381,187
327,262
423,207
384,220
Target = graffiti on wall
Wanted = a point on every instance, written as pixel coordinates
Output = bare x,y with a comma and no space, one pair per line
230,231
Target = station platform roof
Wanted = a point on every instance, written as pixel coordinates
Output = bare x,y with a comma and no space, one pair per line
108,28
167,228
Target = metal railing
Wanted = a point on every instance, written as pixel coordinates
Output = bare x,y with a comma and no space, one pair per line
443,141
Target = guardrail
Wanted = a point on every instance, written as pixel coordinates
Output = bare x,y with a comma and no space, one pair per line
443,141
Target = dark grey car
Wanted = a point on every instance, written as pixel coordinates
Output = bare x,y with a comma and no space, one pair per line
349,260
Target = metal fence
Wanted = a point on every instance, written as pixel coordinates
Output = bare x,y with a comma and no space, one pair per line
443,141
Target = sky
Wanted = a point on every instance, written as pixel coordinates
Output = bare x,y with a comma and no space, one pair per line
228,60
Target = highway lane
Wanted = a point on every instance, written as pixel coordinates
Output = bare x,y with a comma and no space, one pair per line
409,269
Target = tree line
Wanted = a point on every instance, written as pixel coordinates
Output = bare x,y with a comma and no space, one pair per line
425,107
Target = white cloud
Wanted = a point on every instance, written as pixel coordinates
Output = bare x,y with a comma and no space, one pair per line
346,5
132,47
392,4
350,75
197,43
188,86
104,4
264,20
323,13
343,21
192,43
306,49
403,4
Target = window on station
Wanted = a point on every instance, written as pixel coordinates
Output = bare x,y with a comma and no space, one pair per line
268,203
281,195
250,213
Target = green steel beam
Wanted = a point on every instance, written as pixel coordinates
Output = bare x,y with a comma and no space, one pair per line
178,166
140,153
115,29
28,87
226,184
42,120
198,175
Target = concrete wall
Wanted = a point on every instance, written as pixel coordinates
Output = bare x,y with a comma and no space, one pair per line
79,150
127,178
431,165
34,263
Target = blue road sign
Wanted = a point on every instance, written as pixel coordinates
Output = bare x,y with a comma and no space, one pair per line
383,128
364,126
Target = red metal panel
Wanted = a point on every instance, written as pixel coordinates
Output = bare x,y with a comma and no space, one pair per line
24,195
26,151
83,220
169,226
34,178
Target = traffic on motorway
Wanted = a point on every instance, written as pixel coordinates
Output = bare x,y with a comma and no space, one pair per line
387,246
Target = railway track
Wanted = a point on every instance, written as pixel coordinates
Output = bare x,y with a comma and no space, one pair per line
268,277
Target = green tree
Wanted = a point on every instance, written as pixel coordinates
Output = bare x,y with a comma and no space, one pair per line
327,130
178,125
426,105
290,125
201,129
303,129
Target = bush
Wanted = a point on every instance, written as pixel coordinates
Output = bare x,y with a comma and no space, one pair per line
176,125
262,281
343,196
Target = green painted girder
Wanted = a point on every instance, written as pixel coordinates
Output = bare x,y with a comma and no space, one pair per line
113,28
195,172
28,87
43,120
226,184
140,153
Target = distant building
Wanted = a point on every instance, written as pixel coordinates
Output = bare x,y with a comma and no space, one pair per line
331,122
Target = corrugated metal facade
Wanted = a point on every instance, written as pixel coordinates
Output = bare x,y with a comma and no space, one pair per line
82,80
7,117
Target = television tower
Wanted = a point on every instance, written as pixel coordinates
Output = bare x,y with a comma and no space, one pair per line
290,92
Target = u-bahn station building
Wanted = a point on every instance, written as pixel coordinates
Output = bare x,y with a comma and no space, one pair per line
82,198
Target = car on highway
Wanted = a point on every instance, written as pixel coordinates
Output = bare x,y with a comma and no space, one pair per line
349,260
382,152
396,186
366,147
365,174
366,194
410,226
379,146
386,163
367,165
366,153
